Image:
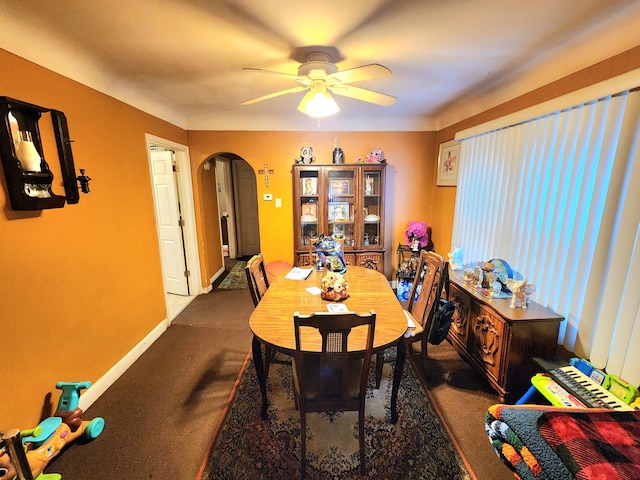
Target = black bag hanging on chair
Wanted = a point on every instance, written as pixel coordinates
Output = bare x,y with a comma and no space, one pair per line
444,314
441,321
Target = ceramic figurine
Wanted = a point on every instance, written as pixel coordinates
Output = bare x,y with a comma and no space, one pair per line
521,291
455,258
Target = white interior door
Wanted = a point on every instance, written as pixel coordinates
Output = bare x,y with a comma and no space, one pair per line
169,223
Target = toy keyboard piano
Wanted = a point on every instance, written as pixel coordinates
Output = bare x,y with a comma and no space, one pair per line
579,385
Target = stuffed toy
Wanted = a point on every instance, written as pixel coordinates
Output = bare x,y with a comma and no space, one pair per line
376,156
306,156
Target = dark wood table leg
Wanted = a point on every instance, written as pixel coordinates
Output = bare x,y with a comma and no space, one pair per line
256,347
397,376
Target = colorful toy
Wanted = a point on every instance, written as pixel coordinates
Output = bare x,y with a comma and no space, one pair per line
376,156
37,447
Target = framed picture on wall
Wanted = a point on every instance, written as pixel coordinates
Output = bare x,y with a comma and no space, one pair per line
448,162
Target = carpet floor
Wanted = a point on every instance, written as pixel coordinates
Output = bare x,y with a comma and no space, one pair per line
247,447
162,413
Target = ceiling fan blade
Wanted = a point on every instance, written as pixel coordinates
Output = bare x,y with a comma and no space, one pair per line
271,72
358,74
274,94
363,94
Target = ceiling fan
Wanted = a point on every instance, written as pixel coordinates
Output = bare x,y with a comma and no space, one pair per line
319,74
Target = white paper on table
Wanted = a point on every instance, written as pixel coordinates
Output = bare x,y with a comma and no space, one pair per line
297,273
314,290
337,307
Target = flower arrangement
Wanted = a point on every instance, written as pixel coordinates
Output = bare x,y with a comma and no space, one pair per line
418,234
334,287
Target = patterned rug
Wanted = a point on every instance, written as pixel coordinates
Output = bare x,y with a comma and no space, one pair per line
236,278
246,447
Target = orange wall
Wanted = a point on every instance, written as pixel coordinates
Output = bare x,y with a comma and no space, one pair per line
409,181
81,285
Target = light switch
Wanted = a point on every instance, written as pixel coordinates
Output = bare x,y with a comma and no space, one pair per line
278,203
267,196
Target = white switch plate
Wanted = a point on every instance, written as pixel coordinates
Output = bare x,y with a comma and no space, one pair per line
278,203
267,196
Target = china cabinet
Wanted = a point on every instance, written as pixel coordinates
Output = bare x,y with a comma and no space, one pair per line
345,202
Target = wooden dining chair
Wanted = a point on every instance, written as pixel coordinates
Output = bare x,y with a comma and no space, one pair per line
423,301
258,282
256,278
334,380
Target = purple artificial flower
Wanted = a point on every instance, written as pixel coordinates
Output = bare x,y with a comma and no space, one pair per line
417,230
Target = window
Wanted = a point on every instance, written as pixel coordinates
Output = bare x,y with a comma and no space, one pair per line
558,197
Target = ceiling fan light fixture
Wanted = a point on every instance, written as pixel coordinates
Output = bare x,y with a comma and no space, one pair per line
318,103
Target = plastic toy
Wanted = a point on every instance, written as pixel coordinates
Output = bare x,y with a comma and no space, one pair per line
26,454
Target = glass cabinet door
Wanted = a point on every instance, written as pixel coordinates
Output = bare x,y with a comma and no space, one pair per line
341,205
309,207
372,212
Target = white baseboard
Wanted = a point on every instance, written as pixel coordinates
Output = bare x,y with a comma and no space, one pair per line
103,383
94,392
215,276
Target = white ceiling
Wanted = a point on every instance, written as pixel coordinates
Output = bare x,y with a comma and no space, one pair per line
182,60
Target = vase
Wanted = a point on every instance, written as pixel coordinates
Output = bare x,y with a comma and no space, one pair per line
415,244
27,154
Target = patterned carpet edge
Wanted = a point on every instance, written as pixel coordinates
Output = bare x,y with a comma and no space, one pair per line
236,279
459,464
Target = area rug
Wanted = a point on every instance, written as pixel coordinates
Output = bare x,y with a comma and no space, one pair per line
236,279
246,447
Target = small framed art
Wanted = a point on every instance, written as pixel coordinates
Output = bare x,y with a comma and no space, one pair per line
339,211
309,186
448,163
310,212
340,187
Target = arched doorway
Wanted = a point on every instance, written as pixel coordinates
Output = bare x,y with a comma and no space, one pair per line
237,205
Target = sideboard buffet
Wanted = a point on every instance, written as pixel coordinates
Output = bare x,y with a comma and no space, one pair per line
498,341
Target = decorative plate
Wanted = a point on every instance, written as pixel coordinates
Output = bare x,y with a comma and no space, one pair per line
502,270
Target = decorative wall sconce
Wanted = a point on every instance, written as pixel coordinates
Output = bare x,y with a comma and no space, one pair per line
84,181
28,177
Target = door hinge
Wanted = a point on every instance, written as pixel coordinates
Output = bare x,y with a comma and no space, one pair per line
174,166
181,222
187,273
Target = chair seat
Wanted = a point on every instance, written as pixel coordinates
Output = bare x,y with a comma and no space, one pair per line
413,326
275,268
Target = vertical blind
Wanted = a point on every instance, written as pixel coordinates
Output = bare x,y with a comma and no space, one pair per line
558,197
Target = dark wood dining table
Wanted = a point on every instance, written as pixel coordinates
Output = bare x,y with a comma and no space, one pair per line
272,320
